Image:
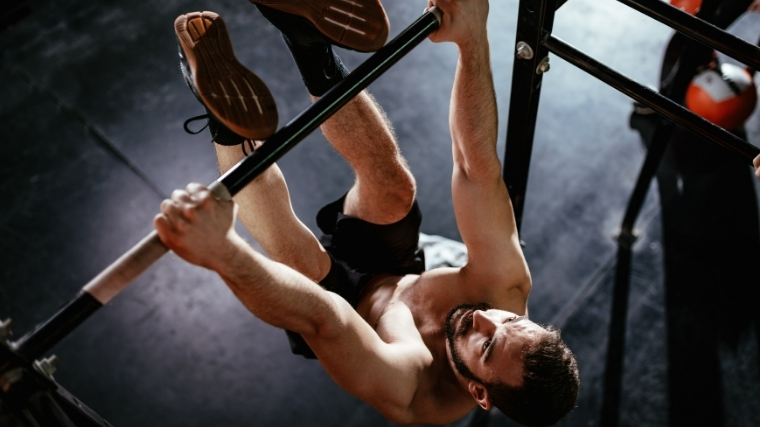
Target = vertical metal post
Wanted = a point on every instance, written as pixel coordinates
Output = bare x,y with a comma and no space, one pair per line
535,20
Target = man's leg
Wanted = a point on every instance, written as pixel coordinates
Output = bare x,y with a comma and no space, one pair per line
265,207
360,25
384,189
266,212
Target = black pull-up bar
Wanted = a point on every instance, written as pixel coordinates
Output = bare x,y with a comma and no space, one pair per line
534,39
134,262
534,42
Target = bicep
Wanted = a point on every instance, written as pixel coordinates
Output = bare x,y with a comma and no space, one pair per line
384,375
487,225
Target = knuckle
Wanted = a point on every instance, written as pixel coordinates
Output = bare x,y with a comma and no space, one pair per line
195,187
188,211
178,194
204,197
166,204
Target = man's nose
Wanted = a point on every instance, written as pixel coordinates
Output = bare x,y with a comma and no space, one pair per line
482,322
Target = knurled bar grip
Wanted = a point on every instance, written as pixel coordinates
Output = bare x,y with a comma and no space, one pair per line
134,262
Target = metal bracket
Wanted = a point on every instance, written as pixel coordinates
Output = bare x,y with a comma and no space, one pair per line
46,366
626,238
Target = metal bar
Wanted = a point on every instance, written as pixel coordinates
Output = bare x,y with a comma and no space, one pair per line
698,29
613,371
45,335
292,133
654,100
535,20
118,276
655,151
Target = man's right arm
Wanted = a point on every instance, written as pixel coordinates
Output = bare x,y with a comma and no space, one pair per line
757,163
385,373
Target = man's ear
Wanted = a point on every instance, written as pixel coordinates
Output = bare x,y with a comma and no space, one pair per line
480,394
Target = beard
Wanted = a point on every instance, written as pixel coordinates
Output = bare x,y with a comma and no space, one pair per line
456,326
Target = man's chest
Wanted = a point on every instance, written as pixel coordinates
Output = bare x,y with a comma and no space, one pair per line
410,308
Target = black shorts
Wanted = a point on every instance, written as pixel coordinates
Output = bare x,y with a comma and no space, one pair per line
360,251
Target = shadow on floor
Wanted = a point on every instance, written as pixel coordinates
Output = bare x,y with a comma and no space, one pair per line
711,258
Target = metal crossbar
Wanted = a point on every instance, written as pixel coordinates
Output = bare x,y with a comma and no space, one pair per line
534,40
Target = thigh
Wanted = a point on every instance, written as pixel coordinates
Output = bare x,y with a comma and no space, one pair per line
267,214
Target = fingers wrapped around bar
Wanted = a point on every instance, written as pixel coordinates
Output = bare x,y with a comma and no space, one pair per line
197,226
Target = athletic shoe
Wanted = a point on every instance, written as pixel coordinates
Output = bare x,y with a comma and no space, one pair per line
360,25
238,102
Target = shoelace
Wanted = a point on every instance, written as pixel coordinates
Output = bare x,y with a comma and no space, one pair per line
207,117
195,119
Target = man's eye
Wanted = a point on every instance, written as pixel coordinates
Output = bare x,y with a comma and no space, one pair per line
486,345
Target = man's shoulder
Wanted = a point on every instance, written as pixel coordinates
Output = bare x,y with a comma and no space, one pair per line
452,286
441,284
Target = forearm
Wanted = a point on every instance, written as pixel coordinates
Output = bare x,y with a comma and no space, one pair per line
473,115
277,294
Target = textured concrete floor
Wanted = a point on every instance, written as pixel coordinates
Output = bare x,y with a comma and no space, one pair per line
86,86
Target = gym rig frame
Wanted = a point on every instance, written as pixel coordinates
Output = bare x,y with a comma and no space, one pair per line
534,41
30,396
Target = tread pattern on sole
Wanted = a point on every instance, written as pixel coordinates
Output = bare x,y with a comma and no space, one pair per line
361,25
233,94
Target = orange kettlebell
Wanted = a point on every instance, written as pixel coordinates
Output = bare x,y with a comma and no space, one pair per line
725,95
688,6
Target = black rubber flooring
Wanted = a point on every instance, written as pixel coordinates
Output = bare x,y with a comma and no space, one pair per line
91,111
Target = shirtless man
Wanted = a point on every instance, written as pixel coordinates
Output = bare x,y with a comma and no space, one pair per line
418,346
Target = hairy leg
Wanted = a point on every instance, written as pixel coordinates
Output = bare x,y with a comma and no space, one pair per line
266,212
384,190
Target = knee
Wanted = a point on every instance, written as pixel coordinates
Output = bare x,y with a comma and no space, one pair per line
405,189
382,201
315,266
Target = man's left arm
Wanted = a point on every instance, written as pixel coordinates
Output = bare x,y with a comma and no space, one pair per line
496,270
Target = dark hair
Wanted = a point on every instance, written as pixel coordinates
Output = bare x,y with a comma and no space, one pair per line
550,384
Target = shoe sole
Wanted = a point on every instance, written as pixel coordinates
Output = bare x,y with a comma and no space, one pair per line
360,25
232,93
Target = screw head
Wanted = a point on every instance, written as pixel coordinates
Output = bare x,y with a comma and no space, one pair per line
543,66
523,50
